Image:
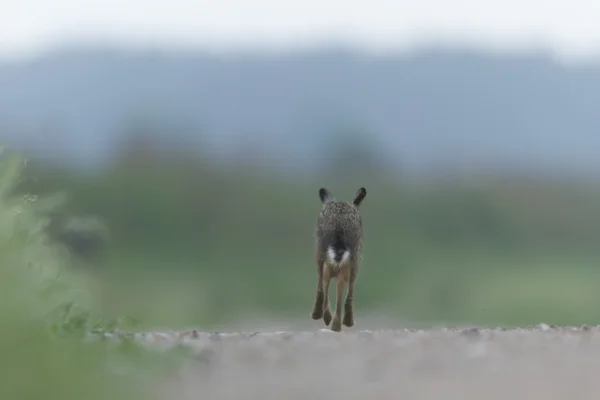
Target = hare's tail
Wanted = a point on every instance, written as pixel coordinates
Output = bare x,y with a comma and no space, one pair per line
338,253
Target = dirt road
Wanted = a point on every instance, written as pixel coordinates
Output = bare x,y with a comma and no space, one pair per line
540,362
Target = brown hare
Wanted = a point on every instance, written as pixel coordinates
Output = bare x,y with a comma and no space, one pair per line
338,251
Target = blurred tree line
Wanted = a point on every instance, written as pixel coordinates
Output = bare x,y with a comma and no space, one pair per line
155,197
176,212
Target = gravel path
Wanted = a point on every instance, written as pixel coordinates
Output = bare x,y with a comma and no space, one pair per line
540,362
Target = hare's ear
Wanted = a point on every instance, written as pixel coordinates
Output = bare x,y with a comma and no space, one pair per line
325,196
360,195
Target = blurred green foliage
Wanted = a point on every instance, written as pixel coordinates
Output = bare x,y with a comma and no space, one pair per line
46,310
198,243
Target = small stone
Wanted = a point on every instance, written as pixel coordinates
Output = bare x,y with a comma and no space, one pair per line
543,326
471,333
189,334
326,330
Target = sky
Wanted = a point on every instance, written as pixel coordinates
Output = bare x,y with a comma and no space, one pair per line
568,28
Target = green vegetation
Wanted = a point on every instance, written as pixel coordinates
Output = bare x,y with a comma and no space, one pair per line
46,309
198,244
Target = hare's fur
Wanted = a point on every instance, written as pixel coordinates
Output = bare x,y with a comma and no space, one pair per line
338,251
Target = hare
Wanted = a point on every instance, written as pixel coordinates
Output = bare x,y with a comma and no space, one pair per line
338,249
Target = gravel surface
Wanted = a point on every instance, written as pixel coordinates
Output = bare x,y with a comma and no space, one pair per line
540,362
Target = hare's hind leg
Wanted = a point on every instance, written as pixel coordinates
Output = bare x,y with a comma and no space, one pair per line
317,312
349,305
326,310
336,325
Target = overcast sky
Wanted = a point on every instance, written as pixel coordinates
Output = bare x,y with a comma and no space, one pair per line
571,28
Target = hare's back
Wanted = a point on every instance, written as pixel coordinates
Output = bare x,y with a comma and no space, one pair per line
341,217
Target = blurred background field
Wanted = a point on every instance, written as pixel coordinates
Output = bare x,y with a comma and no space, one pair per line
178,236
191,174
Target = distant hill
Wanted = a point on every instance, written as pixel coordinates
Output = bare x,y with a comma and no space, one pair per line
421,111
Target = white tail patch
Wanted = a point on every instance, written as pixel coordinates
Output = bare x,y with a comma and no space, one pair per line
331,256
